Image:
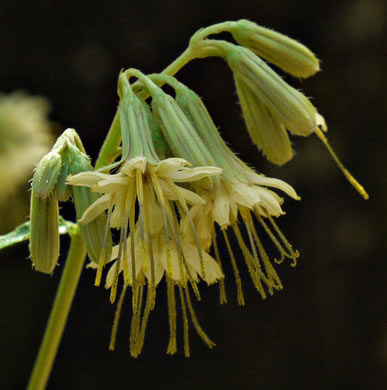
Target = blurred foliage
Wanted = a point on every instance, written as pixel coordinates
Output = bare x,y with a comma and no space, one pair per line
328,326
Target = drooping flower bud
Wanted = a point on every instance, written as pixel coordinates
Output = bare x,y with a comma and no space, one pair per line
265,130
282,51
46,174
285,103
44,233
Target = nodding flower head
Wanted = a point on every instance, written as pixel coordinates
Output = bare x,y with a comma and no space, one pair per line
238,192
144,201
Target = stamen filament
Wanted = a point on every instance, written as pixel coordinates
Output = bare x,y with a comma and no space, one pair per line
195,321
185,208
255,274
135,323
241,300
172,316
117,319
274,279
103,256
222,288
144,322
185,321
273,238
295,254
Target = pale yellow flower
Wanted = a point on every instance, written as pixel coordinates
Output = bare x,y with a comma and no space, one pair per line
251,195
155,246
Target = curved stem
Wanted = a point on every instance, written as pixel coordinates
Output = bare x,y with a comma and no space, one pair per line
59,313
113,138
111,144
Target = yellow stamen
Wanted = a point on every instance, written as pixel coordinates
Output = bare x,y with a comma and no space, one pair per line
295,254
281,249
135,323
172,316
222,287
195,321
139,186
241,300
130,199
160,196
113,289
144,322
117,319
183,203
152,285
133,254
255,274
101,263
271,273
185,321
168,245
359,188
182,262
103,257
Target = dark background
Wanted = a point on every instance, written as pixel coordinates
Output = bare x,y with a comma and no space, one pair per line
328,327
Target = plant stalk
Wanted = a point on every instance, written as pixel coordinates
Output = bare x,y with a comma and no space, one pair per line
59,313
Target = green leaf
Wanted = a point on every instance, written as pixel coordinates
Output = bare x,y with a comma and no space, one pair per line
22,233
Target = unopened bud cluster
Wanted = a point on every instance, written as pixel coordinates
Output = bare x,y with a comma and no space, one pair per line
48,188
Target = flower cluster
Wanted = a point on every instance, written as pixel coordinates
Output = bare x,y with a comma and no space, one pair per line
177,186
167,210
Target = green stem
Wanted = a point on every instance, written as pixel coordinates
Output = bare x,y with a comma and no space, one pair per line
111,144
59,313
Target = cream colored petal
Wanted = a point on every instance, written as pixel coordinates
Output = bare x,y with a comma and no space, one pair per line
98,207
222,201
110,275
92,265
86,179
204,229
261,180
189,196
245,195
269,201
132,164
212,270
193,174
116,184
153,212
168,167
320,122
115,220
